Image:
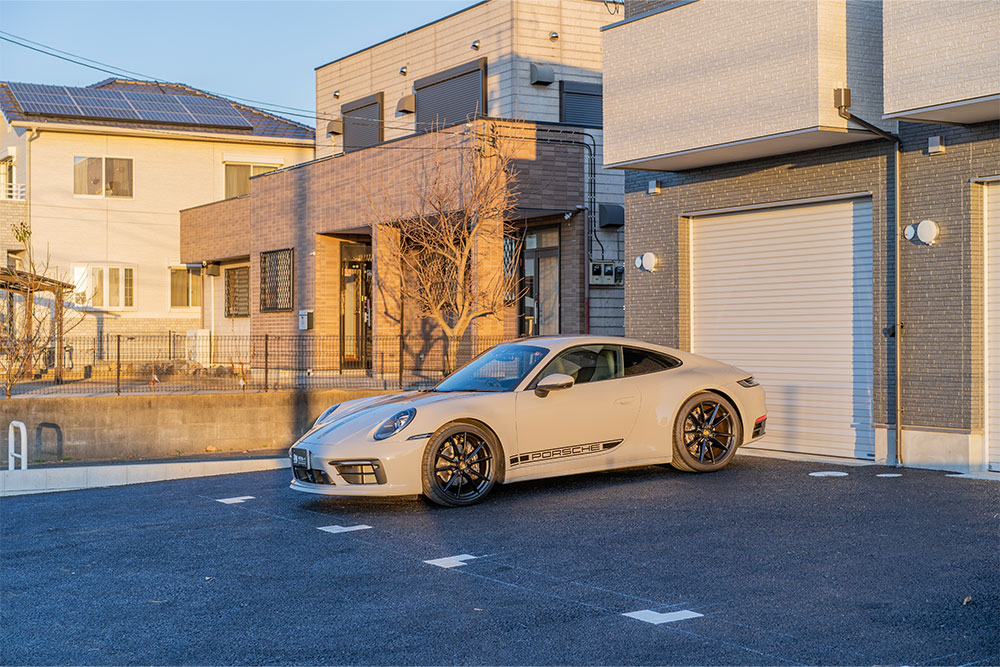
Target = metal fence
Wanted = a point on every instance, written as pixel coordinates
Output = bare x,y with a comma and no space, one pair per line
181,363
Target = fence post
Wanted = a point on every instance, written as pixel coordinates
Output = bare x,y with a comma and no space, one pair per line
400,362
118,364
266,336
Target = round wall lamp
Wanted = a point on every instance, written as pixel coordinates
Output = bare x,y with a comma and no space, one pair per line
402,70
646,261
925,232
553,36
475,45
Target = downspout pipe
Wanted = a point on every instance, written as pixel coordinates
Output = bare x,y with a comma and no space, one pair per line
897,456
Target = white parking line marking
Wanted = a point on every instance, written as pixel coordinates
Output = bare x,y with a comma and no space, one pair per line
889,474
451,561
343,529
828,473
656,618
233,501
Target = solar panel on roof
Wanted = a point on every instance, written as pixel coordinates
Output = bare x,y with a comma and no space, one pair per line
103,104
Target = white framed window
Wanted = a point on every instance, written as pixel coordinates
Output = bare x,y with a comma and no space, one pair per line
102,177
238,177
105,286
185,287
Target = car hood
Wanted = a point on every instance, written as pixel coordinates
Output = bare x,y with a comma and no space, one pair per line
357,417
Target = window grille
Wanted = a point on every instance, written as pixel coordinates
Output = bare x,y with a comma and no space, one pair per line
276,280
238,292
511,248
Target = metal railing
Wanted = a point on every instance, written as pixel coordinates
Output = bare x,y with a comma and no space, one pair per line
182,363
16,191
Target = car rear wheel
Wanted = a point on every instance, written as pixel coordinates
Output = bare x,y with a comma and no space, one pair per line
706,433
460,465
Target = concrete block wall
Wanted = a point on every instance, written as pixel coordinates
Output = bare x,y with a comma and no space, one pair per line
132,427
12,213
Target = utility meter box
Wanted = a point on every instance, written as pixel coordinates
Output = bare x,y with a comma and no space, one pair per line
305,320
607,273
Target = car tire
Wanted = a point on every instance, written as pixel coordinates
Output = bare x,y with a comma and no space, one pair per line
707,432
461,464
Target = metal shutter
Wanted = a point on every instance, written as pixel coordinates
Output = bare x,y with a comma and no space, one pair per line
580,103
786,294
362,127
450,101
993,323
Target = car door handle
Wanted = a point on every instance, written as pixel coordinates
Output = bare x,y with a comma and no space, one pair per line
625,400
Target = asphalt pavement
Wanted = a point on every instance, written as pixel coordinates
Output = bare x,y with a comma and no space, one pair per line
761,563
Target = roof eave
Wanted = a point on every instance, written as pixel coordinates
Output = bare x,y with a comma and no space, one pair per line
82,128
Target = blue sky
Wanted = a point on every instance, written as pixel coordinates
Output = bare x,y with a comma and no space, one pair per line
258,50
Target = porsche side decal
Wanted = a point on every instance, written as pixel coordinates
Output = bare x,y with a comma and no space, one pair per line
563,452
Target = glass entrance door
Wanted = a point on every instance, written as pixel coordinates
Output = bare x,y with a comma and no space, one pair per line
540,306
355,305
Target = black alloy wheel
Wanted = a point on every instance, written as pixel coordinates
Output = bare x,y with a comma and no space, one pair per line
460,465
706,433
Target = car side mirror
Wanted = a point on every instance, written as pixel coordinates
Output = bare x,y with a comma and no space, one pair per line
553,382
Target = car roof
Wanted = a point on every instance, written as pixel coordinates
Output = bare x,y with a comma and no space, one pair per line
561,341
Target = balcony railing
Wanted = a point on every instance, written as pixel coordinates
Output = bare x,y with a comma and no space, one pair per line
16,191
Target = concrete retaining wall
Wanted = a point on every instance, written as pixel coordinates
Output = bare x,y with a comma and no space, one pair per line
131,427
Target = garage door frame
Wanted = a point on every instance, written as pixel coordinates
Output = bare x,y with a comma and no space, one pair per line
691,219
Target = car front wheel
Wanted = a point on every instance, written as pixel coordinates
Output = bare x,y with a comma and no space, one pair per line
706,433
460,465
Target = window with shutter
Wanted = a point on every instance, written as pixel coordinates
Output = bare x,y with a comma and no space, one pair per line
238,292
453,96
580,103
363,125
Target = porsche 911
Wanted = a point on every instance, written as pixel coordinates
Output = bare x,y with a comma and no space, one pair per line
532,408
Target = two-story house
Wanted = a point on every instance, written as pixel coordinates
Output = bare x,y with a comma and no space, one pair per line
100,174
814,188
306,233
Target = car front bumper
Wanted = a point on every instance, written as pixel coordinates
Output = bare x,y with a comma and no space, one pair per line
365,469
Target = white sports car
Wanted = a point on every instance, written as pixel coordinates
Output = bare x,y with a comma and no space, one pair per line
531,408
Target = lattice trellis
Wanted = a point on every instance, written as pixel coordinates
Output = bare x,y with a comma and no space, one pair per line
238,292
276,273
511,257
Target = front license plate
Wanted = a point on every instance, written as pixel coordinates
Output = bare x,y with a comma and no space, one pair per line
300,457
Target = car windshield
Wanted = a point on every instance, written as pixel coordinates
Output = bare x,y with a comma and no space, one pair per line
499,369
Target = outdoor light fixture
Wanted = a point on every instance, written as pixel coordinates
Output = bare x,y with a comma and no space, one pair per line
402,70
653,188
336,94
475,45
925,232
553,36
646,261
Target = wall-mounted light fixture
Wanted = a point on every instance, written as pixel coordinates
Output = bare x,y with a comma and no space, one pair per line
925,232
646,261
336,94
402,70
553,36
475,45
653,188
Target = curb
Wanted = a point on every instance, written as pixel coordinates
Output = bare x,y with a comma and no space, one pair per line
48,480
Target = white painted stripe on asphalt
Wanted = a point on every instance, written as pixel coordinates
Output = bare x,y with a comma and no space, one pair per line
656,618
343,529
889,474
451,561
233,501
828,473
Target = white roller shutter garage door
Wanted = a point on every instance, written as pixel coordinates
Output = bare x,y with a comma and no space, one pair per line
993,323
786,294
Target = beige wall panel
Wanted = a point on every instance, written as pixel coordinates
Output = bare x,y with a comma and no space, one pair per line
939,52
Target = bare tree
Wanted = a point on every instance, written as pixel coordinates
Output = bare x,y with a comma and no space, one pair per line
34,317
446,226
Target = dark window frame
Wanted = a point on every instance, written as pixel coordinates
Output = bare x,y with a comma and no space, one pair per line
280,305
671,362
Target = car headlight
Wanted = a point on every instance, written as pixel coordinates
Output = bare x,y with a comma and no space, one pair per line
325,417
748,382
395,423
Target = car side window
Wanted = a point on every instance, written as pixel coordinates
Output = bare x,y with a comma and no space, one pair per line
639,362
586,363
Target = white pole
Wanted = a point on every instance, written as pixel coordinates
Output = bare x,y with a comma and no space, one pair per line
10,445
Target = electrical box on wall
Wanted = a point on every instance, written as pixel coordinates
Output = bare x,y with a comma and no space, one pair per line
607,273
305,320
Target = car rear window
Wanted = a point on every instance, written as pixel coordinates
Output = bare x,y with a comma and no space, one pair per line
641,362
